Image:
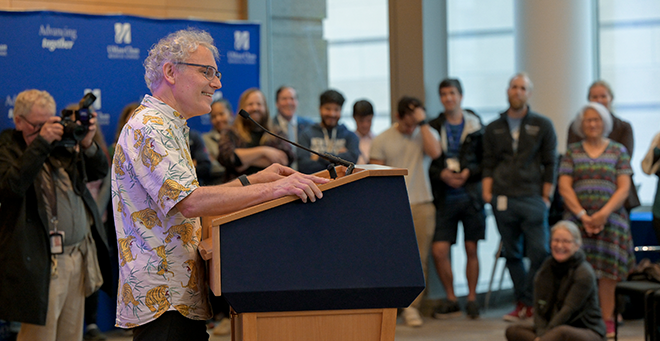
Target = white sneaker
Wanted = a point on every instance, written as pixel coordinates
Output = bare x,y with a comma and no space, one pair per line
411,317
222,328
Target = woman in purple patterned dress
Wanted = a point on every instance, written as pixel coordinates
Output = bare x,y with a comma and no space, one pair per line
594,180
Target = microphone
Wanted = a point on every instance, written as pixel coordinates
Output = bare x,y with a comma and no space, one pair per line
326,156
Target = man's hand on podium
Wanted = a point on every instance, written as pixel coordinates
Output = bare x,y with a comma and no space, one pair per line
286,181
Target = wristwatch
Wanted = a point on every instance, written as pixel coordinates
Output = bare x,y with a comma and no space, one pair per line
244,180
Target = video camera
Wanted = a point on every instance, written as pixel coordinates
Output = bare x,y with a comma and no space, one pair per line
74,132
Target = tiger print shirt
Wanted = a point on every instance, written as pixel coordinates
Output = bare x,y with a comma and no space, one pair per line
159,266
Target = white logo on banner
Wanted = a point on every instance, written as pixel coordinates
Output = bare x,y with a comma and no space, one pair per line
9,102
97,93
122,33
61,33
103,119
3,50
241,42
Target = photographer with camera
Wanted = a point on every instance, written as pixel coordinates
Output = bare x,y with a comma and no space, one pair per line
50,228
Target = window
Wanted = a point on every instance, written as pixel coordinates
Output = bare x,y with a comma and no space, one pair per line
357,33
475,26
629,47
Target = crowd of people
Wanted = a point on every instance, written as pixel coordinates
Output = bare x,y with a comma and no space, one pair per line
66,208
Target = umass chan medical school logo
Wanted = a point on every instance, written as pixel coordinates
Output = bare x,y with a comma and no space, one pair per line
241,53
122,39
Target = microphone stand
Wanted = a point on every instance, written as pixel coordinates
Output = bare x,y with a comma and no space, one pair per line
333,159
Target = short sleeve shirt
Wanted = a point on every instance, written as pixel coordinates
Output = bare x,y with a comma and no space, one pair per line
159,266
406,151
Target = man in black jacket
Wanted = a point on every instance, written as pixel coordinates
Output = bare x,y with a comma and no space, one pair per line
518,179
456,183
45,218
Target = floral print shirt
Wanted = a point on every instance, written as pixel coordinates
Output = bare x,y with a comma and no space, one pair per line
159,266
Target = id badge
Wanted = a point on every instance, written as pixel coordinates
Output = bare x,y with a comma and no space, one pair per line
56,242
501,202
454,165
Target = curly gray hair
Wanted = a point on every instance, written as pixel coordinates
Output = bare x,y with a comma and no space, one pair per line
176,47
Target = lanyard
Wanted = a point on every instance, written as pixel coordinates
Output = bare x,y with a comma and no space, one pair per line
330,143
52,196
450,138
56,237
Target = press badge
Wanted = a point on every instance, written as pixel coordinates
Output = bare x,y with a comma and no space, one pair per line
56,242
501,202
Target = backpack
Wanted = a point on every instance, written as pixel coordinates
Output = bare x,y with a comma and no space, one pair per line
645,271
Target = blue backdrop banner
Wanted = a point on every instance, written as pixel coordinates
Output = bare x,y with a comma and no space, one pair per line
69,55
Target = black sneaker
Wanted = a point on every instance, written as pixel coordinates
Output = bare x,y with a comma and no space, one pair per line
94,334
472,309
447,309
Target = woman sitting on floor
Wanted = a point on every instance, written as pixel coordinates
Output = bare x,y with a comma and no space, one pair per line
565,294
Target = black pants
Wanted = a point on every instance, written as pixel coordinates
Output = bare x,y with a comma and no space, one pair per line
560,333
91,308
219,305
171,326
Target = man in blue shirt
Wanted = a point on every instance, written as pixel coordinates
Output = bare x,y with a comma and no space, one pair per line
328,136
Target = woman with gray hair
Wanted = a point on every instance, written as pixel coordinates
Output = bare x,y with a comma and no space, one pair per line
594,181
601,92
565,294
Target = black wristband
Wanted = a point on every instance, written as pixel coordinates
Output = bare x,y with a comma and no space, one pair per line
244,180
422,122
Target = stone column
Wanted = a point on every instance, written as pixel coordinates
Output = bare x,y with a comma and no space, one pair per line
555,44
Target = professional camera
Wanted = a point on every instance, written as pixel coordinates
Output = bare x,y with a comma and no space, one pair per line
74,132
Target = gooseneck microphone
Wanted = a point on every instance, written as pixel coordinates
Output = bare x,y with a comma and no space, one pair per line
326,156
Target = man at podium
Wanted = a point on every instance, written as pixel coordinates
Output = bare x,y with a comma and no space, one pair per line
157,200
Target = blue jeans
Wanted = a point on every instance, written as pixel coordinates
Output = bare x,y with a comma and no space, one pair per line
524,230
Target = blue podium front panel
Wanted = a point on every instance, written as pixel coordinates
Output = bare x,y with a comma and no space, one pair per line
354,249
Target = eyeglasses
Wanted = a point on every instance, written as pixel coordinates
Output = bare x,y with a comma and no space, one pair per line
36,127
209,73
561,241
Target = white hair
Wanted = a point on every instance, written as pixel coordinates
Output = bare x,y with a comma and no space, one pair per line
604,115
27,99
174,48
570,227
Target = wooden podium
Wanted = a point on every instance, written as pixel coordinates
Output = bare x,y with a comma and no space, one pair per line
335,269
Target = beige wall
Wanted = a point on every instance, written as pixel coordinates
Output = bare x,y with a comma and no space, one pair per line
211,10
